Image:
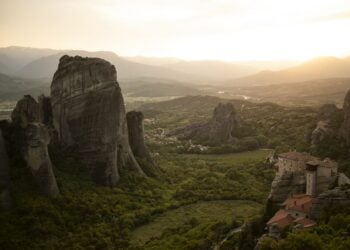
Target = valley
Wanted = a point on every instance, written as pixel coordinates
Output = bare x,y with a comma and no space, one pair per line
191,165
175,125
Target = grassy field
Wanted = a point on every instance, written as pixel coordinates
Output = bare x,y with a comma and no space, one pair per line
205,190
203,212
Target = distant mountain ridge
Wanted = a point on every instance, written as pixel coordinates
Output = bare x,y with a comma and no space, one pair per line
44,67
319,68
13,58
40,63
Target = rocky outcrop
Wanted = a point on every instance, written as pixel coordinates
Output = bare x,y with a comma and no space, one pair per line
136,134
285,185
332,198
327,112
5,182
37,157
220,129
327,127
89,114
26,116
26,111
137,142
345,127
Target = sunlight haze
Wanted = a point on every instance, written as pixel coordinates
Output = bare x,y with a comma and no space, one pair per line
189,29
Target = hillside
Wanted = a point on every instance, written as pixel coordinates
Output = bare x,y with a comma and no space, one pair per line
212,70
44,67
12,88
319,68
309,93
264,124
14,57
150,87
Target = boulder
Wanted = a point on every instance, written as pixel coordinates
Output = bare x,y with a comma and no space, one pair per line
220,129
26,116
5,182
89,114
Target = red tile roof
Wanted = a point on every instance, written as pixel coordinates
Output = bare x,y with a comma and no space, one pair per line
282,219
301,156
301,203
305,222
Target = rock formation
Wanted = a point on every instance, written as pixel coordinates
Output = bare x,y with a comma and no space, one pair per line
345,127
26,111
26,115
220,129
5,182
89,114
136,134
287,184
333,123
335,197
327,125
137,142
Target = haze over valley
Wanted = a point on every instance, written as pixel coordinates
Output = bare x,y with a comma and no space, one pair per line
175,125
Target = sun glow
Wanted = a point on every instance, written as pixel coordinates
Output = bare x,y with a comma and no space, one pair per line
192,29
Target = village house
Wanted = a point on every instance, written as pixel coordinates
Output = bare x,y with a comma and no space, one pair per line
294,213
295,210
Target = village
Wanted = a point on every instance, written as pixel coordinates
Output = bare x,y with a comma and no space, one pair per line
296,211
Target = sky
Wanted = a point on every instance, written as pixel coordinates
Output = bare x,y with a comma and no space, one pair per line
229,30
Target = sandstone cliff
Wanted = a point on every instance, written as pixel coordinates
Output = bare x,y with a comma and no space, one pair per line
5,182
26,116
345,127
220,129
331,198
137,142
329,119
287,184
89,114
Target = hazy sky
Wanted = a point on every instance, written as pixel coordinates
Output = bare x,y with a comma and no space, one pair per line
190,29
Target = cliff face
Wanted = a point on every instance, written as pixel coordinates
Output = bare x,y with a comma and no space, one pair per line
26,116
330,198
345,127
89,113
136,134
5,182
327,126
285,185
220,129
137,143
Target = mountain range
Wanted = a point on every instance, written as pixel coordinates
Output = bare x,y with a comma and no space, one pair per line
318,68
30,70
